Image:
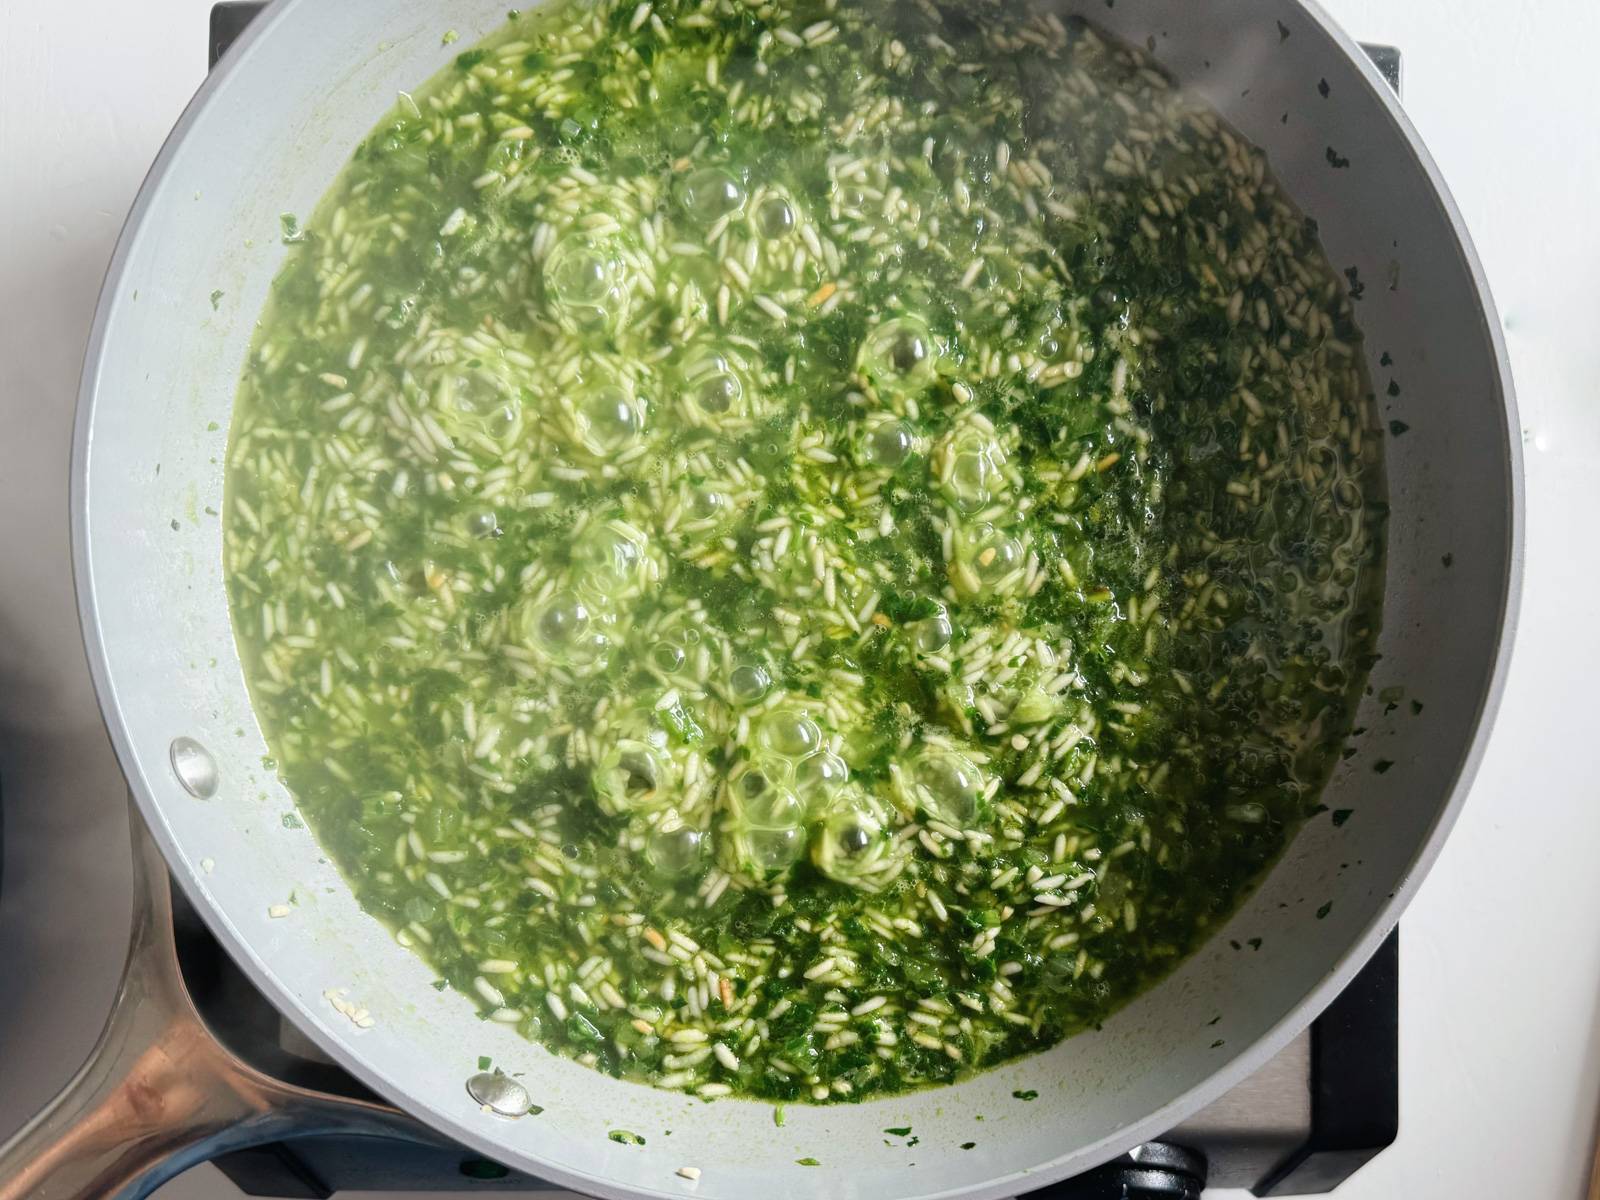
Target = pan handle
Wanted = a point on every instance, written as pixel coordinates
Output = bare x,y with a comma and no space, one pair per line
159,1093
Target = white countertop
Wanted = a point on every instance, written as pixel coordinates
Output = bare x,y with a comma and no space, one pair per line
1500,966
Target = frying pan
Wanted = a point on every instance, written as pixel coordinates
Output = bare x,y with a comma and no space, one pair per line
265,135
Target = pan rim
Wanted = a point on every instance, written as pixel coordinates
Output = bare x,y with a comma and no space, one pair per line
1242,1063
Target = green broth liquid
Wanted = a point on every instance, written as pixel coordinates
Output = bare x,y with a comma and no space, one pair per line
803,551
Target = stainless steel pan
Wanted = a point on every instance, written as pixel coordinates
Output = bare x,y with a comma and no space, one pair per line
265,135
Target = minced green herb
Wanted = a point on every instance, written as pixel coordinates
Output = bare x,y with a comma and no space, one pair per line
802,590
625,1137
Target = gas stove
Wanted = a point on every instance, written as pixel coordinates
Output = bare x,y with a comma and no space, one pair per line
1300,1126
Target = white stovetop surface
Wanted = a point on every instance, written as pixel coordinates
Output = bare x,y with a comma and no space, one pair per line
1500,992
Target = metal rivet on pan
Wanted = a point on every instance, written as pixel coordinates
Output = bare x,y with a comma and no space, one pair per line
499,1093
195,768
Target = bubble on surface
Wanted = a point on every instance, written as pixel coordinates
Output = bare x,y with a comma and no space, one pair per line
706,504
504,421
586,284
633,775
820,776
676,849
888,444
854,843
710,193
482,523
997,556
667,656
931,634
748,683
611,418
790,732
946,785
974,477
774,217
563,621
711,385
767,852
567,629
613,560
899,352
767,805
476,401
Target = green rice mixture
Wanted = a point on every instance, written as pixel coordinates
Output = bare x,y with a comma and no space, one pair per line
803,550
